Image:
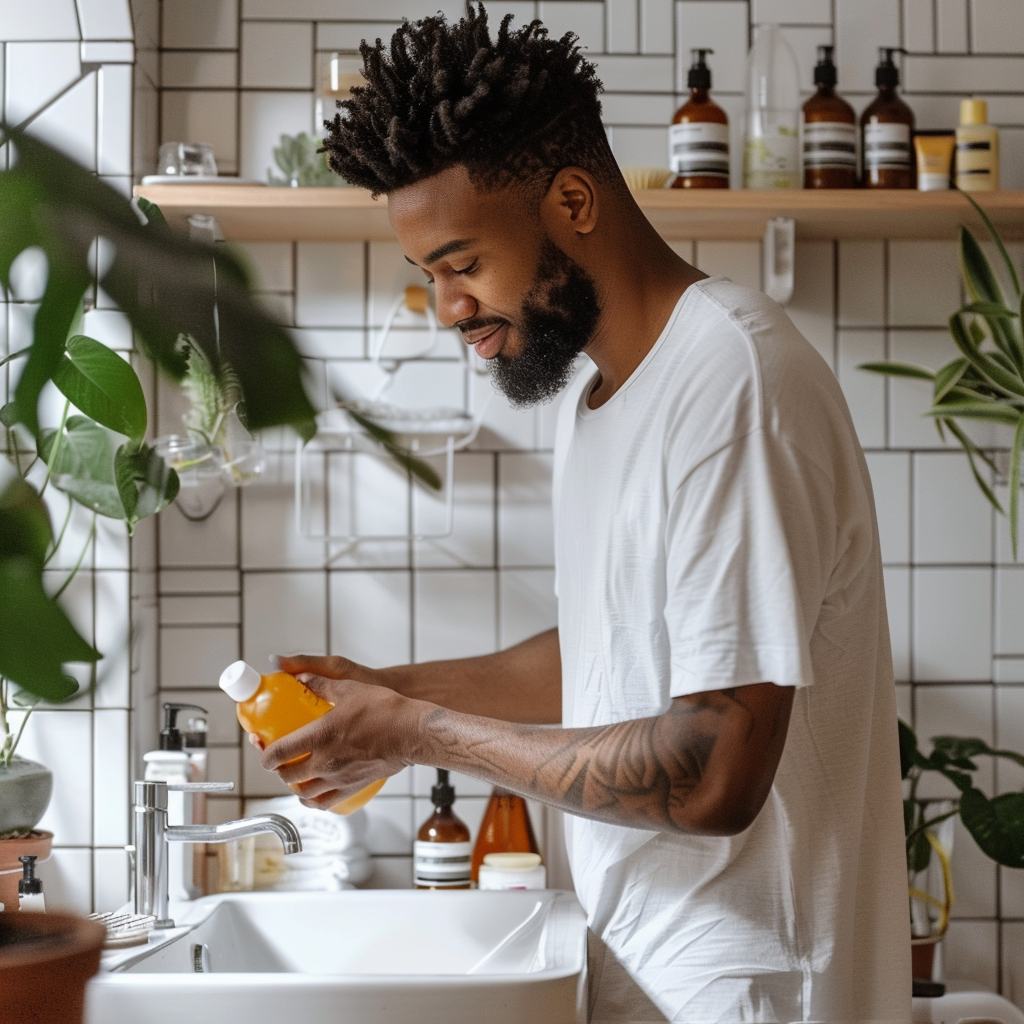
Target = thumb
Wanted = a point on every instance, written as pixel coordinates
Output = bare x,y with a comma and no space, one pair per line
321,686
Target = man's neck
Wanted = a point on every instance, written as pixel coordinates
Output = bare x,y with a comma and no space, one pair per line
640,286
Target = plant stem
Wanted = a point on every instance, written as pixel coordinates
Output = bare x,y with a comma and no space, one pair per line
925,825
60,536
81,558
5,730
14,355
52,460
21,729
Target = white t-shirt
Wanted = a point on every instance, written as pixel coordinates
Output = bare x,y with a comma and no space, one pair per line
714,527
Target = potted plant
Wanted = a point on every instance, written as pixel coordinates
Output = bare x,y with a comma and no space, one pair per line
986,381
996,825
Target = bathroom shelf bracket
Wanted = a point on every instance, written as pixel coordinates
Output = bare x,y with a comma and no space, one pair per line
778,257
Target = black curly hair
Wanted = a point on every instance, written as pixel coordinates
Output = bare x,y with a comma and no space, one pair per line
513,110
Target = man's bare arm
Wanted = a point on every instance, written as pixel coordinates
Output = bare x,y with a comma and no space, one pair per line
705,766
520,684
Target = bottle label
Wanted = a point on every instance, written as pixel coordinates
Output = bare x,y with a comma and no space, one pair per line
441,865
830,144
887,147
771,158
699,149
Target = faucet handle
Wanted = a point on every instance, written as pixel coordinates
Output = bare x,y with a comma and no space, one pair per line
200,787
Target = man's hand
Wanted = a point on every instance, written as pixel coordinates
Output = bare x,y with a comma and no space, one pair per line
365,737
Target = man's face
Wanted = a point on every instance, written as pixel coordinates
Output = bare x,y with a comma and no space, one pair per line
515,295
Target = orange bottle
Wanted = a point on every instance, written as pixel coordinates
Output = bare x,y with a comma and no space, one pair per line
277,704
505,828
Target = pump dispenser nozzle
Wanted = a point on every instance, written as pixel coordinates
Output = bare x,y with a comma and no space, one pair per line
170,735
442,794
30,888
699,76
825,69
887,74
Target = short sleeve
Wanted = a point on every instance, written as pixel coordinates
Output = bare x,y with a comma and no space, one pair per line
750,545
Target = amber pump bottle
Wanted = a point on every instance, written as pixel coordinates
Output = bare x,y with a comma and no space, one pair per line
442,851
887,130
505,828
698,138
830,131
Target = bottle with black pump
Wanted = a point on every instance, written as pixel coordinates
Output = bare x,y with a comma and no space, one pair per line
698,138
30,888
172,763
830,131
442,851
887,130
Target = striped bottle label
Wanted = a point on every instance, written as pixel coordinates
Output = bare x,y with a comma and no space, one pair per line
887,146
441,865
830,144
699,149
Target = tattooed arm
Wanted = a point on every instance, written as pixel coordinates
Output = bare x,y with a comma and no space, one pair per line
705,766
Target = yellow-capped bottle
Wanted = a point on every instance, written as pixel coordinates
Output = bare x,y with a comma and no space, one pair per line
277,704
977,149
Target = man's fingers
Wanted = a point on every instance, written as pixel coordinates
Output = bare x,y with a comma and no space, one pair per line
291,747
331,668
320,685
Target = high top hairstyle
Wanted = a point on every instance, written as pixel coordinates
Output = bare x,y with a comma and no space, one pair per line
513,110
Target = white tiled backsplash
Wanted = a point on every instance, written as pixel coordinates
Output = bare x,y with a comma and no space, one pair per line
238,73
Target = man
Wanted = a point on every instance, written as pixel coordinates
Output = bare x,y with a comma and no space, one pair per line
721,673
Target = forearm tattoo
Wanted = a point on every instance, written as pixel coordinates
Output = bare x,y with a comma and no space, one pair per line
643,772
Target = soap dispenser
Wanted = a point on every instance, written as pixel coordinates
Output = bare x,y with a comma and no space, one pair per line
887,130
698,138
172,763
830,131
442,851
30,888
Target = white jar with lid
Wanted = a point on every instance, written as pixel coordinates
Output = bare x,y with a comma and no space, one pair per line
513,871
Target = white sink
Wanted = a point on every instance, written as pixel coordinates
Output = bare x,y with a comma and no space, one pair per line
370,957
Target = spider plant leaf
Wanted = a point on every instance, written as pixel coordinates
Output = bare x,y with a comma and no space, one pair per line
994,412
1011,270
948,376
899,370
982,285
1015,456
993,309
972,450
989,369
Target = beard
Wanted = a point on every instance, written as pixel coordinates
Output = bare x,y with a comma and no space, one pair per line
558,318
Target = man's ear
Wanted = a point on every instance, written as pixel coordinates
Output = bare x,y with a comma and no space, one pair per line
570,206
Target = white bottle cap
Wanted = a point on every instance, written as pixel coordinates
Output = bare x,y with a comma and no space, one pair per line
512,861
240,681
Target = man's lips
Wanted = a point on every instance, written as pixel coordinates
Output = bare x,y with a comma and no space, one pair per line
487,340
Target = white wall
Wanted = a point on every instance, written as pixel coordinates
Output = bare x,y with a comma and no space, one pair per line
238,73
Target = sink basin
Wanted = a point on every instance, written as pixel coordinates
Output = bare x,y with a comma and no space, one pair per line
370,957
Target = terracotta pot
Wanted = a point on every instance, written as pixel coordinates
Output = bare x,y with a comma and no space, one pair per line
45,962
922,957
37,843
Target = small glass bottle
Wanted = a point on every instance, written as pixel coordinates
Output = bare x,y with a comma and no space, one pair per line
887,130
830,131
698,138
442,851
505,828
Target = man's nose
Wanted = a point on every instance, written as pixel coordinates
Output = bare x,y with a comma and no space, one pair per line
453,304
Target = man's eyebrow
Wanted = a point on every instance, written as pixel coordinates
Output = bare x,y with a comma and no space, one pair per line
455,245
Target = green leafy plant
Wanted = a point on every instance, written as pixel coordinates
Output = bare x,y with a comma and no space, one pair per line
298,159
167,286
986,381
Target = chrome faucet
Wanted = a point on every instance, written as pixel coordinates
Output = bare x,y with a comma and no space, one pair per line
151,834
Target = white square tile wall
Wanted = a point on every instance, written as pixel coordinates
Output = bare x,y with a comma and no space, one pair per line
238,73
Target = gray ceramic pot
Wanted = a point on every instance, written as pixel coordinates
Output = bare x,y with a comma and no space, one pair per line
25,789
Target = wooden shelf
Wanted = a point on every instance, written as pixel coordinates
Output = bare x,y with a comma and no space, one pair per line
258,213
